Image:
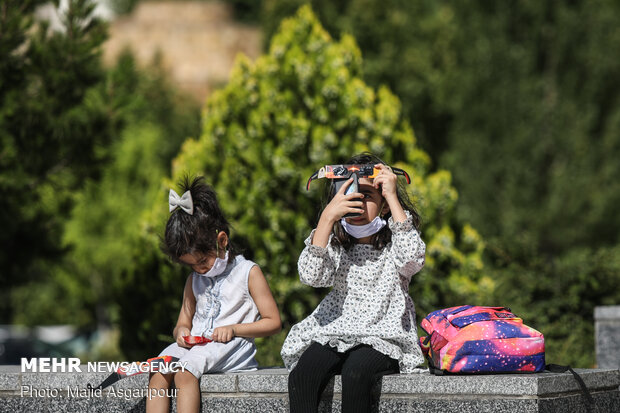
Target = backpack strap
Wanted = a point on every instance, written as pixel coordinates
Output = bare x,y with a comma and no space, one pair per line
425,345
435,371
556,368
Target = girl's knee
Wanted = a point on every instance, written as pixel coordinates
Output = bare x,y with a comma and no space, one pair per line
301,380
302,375
295,377
357,376
161,381
185,378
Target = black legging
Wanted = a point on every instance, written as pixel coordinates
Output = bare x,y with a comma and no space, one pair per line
360,368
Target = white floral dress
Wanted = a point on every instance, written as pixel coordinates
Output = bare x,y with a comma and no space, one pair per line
369,302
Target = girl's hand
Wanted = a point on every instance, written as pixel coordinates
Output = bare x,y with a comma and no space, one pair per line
223,334
182,331
386,179
339,206
342,204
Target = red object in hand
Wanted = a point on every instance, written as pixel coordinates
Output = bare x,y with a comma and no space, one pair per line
193,340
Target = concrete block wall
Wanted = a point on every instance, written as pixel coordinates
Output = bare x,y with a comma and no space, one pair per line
607,335
266,391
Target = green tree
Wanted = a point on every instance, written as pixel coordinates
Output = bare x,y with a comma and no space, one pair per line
49,134
101,236
519,100
408,46
534,150
300,106
80,146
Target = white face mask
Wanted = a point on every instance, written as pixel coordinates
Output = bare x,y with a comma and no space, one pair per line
361,231
218,267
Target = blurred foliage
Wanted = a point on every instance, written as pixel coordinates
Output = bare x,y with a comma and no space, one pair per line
49,135
103,233
109,258
80,146
534,149
300,106
558,296
519,100
121,7
407,46
247,11
244,10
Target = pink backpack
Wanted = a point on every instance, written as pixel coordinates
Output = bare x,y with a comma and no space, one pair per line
475,339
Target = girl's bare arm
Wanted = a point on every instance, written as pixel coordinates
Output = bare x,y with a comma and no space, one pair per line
269,322
184,322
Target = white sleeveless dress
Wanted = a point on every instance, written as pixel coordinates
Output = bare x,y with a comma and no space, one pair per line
220,301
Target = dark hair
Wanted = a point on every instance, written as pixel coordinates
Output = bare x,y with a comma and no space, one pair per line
383,237
186,234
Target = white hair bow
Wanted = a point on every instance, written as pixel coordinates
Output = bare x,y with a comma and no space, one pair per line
184,202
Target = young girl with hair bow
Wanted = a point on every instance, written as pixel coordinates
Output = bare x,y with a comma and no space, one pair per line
226,301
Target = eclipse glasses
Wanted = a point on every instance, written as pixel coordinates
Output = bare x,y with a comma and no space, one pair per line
341,173
344,172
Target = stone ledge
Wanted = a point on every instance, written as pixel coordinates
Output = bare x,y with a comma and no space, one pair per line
265,390
607,333
609,312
